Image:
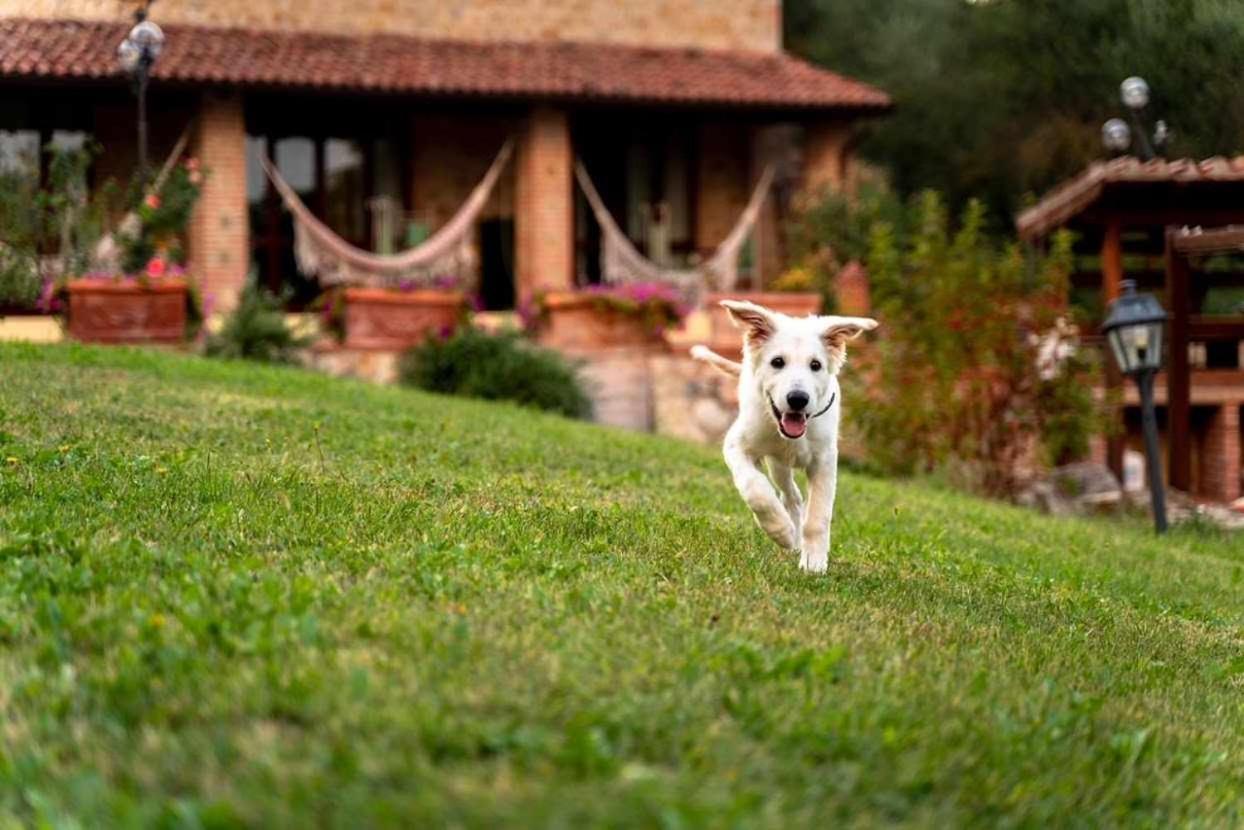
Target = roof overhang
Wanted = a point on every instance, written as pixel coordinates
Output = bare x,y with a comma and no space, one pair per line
1135,192
64,50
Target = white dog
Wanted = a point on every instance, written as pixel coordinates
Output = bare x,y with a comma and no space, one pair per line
789,405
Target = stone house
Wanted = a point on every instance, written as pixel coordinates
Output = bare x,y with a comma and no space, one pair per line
384,113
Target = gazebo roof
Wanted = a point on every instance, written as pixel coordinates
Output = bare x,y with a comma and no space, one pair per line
1129,185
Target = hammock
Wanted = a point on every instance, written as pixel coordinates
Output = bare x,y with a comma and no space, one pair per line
322,253
621,261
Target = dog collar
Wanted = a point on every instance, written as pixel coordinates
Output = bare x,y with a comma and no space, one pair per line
832,398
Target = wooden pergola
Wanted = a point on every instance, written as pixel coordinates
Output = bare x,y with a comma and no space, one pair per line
1157,215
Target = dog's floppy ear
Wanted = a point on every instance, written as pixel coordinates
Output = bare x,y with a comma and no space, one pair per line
838,330
756,321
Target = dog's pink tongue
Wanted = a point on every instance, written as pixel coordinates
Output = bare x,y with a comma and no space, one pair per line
794,425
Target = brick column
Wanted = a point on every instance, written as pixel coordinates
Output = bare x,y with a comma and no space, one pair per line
218,236
826,156
1221,464
544,203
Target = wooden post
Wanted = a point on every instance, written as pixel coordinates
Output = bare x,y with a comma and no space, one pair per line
1111,277
1179,374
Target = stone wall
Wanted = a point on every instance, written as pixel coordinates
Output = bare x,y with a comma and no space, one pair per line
711,24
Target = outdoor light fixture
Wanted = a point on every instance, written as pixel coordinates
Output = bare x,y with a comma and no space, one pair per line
136,55
1134,331
1117,135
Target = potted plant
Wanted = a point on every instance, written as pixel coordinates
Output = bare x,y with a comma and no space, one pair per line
386,319
139,292
633,315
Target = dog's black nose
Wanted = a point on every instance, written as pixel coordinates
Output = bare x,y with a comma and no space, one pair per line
797,400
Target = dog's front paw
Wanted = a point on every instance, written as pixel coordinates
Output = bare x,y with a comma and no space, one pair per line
815,559
816,563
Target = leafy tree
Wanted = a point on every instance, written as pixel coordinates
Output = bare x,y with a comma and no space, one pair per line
996,99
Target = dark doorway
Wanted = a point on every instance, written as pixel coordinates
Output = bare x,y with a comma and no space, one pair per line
496,254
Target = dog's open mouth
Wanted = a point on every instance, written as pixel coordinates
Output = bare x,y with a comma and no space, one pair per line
791,424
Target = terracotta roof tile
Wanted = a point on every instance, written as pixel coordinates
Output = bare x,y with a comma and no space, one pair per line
1074,196
402,64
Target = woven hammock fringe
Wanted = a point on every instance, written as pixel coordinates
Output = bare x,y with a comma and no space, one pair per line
621,261
320,252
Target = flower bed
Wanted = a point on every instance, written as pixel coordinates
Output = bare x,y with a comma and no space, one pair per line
635,315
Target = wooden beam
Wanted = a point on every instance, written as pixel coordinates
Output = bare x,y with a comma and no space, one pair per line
1179,375
1213,241
1111,276
1201,327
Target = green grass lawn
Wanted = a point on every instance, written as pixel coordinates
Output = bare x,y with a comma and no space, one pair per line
233,595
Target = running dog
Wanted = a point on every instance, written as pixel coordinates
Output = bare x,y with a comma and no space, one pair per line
789,405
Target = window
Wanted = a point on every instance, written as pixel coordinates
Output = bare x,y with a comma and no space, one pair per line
30,133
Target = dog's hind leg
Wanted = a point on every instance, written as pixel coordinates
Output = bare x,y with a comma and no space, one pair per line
784,477
822,489
755,488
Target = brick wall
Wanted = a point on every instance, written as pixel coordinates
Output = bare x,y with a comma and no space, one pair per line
1221,462
711,24
219,245
544,203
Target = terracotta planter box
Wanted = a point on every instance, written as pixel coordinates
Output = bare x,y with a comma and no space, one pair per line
726,336
108,311
576,321
376,318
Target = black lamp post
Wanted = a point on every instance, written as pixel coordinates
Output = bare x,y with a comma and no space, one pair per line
1134,330
137,54
1117,136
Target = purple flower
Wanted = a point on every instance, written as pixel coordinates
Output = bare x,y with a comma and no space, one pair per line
445,282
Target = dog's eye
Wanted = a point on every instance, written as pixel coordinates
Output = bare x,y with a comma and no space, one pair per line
777,362
815,365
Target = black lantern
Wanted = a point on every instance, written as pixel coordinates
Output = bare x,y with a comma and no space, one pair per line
137,54
1134,329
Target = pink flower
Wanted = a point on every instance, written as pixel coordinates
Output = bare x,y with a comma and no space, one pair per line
156,267
49,302
152,201
192,163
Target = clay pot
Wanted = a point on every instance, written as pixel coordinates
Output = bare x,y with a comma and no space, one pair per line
381,319
125,311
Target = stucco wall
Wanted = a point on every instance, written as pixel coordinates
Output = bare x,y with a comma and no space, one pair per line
711,24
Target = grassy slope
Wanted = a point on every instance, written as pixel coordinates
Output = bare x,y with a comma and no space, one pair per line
240,594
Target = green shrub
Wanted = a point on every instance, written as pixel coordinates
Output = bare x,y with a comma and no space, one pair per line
496,367
257,330
975,373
